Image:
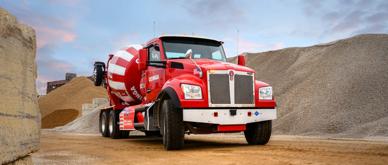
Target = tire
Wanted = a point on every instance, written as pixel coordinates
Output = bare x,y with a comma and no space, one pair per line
172,126
124,134
113,127
258,133
153,134
103,124
98,74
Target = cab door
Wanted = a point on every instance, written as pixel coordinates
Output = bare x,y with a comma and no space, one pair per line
155,72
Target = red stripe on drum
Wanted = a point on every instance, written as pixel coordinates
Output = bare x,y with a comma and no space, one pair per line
117,78
132,51
121,62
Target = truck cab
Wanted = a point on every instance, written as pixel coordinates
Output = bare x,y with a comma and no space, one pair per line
187,86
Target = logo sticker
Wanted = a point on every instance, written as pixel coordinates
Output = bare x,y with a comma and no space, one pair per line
153,78
134,92
257,113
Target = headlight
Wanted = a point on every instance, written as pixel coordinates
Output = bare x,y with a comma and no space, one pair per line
192,92
265,93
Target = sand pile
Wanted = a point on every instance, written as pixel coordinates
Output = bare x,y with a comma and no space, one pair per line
339,88
19,111
65,103
59,118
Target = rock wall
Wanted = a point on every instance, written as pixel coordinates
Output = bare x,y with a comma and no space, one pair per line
19,110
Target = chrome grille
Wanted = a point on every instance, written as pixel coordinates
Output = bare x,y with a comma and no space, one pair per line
243,87
224,91
219,89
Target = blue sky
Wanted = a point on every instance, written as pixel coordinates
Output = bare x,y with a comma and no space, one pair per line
72,34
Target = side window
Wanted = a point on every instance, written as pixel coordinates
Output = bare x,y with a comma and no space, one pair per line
154,54
217,55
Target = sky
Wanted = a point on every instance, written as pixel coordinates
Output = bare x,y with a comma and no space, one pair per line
72,34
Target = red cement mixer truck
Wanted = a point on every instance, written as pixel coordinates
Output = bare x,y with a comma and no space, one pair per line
177,85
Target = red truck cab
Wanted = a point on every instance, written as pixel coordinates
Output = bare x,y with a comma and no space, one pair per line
186,86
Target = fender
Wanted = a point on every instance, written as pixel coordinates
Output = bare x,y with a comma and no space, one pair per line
170,93
166,92
174,86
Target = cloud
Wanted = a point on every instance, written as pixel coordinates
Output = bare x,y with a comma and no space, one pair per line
350,22
311,6
49,29
250,46
217,12
49,67
347,18
46,35
62,2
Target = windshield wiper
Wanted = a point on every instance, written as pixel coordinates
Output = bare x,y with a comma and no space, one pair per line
178,57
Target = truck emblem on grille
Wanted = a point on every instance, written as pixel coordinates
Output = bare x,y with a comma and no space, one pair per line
231,75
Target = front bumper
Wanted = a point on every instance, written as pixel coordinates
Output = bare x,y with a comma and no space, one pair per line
227,116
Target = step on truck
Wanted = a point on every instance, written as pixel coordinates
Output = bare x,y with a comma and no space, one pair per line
177,85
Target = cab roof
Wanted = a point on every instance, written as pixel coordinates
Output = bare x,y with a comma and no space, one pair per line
189,36
181,36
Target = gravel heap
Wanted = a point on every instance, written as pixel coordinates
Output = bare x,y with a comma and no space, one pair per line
87,123
339,88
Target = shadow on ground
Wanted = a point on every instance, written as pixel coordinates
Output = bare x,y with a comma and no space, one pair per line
190,144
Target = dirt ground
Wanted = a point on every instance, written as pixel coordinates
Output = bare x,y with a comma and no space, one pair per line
66,148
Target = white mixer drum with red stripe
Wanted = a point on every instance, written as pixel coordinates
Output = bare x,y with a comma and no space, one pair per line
124,76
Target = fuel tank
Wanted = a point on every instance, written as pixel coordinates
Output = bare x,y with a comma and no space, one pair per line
123,75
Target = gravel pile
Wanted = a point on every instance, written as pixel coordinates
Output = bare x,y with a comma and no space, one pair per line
87,123
339,88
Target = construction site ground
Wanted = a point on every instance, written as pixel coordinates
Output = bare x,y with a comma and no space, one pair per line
72,148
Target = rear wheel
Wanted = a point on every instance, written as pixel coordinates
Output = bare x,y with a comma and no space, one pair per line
172,127
258,133
113,127
104,123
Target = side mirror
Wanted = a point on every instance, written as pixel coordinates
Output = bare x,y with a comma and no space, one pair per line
241,60
157,48
143,58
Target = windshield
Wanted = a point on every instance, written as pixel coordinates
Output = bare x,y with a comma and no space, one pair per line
200,48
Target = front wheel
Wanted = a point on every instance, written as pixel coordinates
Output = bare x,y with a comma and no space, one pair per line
173,130
258,133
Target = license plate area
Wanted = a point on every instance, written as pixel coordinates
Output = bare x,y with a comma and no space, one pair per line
233,112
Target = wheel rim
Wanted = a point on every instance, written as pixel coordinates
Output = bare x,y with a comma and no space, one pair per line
94,73
103,123
164,128
110,125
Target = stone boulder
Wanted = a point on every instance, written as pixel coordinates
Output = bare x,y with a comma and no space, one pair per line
19,110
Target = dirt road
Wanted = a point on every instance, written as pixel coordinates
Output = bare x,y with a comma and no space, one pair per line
60,148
